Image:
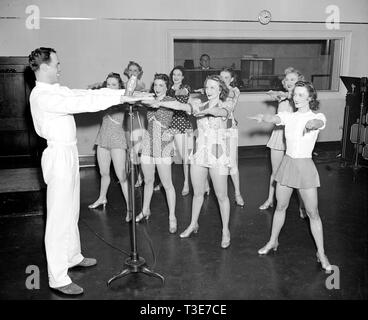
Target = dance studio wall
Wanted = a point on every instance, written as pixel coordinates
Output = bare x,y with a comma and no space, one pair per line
117,31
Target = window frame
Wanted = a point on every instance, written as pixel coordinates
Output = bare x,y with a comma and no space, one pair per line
274,34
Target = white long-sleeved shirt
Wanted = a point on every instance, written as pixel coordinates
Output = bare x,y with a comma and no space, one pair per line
53,106
300,144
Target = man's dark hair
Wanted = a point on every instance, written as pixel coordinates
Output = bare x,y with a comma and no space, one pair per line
204,55
39,56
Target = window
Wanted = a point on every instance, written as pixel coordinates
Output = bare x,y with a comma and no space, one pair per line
259,64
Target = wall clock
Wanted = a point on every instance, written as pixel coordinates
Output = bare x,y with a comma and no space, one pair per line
264,17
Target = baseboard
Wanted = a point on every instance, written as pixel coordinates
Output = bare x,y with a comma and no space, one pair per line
327,149
86,161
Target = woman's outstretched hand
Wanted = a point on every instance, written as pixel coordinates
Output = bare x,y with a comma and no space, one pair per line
278,95
257,117
310,125
201,90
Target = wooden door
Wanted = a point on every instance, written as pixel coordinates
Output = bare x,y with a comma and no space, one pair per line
18,141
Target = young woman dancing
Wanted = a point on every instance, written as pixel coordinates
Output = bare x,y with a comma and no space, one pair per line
211,153
297,169
228,76
157,151
139,118
181,125
276,142
111,145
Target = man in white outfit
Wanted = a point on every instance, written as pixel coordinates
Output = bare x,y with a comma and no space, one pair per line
52,108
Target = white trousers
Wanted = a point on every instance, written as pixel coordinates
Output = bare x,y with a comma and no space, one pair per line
60,167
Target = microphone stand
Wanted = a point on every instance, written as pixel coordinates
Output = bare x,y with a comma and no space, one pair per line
135,263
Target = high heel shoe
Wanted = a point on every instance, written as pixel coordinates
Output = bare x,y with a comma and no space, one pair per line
173,226
225,241
266,249
128,217
188,231
266,205
97,204
324,262
142,216
239,200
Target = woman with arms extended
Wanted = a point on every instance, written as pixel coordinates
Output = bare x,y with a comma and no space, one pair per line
297,169
228,76
157,151
111,145
277,142
211,154
139,117
181,125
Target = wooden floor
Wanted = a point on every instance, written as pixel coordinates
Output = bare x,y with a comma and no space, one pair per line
21,180
197,268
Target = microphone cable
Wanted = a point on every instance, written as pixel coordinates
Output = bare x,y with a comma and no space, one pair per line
146,234
103,239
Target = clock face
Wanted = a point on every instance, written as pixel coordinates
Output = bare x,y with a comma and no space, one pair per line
264,17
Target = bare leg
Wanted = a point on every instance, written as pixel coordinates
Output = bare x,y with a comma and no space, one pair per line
219,181
182,147
118,157
149,178
310,199
236,182
302,211
104,161
283,194
164,171
137,143
198,177
276,158
207,185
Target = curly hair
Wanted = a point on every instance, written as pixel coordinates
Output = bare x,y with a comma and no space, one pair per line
313,103
133,63
224,90
292,70
115,76
182,70
232,75
39,56
161,76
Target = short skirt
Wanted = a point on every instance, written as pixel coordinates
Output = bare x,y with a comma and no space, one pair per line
299,173
277,139
111,135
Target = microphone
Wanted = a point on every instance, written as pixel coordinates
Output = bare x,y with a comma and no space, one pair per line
131,85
